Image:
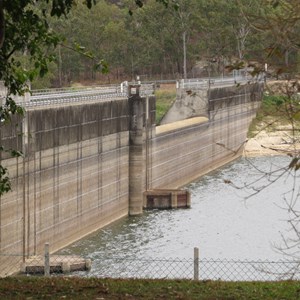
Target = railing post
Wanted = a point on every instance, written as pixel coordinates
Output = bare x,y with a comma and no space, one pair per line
47,260
196,263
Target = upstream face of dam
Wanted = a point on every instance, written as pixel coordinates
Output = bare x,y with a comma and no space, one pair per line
87,164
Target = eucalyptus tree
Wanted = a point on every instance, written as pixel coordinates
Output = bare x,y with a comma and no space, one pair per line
226,34
215,40
185,17
97,33
170,32
154,40
279,22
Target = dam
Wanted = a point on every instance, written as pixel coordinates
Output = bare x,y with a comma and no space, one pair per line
87,163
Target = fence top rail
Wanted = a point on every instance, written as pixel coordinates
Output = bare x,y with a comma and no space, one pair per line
48,97
71,89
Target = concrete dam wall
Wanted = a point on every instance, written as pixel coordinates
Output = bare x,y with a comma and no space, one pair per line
88,164
182,153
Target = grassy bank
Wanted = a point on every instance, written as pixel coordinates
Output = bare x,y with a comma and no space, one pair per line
79,288
165,97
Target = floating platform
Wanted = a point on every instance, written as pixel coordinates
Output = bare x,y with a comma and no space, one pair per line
58,264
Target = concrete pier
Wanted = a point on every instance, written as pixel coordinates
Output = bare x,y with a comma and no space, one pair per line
136,152
58,264
166,199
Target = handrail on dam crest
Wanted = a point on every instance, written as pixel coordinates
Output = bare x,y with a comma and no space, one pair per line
44,97
56,96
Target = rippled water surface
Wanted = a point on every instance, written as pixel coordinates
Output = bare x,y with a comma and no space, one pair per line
220,222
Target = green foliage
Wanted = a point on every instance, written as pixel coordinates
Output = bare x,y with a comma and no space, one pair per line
164,100
276,110
5,184
272,100
150,42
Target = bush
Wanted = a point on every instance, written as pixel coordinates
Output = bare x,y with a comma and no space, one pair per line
270,100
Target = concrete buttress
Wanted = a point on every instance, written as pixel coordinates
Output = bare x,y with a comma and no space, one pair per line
136,153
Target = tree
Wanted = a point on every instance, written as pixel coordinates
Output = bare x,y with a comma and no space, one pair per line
279,23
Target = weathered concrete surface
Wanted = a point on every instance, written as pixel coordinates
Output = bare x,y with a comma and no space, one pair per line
73,178
86,165
136,155
175,126
58,264
188,104
182,154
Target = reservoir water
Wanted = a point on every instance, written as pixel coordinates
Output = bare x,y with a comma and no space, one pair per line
222,223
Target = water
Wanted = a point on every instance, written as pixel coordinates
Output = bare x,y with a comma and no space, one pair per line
222,223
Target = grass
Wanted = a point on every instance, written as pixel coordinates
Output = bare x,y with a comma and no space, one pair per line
275,112
165,97
80,288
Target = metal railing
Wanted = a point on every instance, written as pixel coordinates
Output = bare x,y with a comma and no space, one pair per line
206,83
70,95
96,88
55,96
58,96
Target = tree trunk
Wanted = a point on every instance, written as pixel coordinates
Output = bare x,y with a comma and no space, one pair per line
286,57
2,24
59,66
184,55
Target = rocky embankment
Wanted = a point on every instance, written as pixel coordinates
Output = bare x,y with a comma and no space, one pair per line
276,137
271,143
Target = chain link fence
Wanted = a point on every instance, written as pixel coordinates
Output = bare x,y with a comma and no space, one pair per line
150,268
205,269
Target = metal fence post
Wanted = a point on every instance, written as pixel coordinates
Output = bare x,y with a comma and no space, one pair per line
196,263
47,260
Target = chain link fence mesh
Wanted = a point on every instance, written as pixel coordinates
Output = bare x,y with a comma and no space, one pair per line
172,268
209,269
150,268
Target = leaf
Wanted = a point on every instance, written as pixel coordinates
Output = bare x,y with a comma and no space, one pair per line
297,167
275,3
296,116
101,66
139,3
20,111
5,185
16,153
